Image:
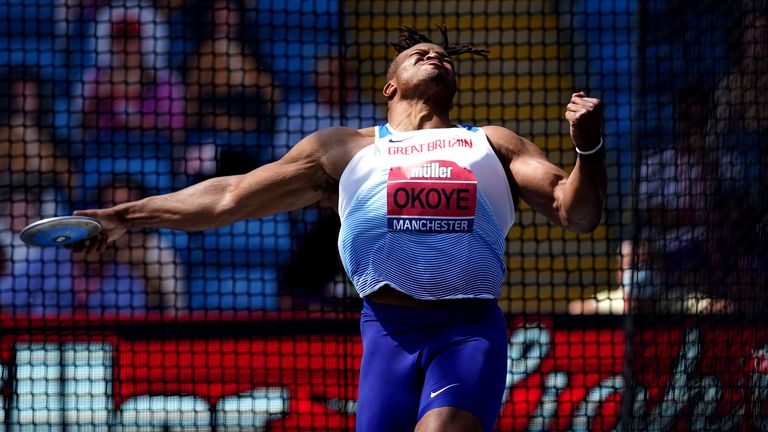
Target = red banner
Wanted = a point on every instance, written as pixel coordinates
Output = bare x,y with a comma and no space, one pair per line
688,378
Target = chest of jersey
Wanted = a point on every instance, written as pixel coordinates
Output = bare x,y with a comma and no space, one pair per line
426,212
432,179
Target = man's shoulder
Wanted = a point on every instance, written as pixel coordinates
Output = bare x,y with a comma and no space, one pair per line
369,132
500,135
496,129
339,141
337,146
507,144
343,134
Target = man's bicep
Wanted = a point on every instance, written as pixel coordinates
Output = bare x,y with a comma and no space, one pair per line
277,187
308,173
535,178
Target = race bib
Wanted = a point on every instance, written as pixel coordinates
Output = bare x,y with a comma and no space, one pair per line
436,197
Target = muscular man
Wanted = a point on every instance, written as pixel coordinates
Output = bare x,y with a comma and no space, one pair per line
425,206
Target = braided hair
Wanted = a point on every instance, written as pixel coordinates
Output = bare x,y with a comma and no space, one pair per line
410,37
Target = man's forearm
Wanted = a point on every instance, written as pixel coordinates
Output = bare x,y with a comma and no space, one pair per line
198,207
584,195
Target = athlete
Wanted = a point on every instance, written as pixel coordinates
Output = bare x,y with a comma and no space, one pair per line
425,206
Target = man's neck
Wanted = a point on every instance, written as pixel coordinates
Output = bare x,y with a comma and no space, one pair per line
415,115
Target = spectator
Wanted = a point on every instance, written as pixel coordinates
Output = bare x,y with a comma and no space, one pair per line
142,274
131,88
337,102
231,97
33,280
667,267
671,206
26,145
633,279
736,134
132,104
231,110
35,182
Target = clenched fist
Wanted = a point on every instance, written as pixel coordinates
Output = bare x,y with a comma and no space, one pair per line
585,116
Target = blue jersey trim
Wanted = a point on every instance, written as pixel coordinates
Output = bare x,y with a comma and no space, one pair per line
384,130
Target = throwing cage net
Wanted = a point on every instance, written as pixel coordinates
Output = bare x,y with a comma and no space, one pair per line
655,321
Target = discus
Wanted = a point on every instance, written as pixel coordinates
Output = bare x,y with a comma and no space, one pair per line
59,231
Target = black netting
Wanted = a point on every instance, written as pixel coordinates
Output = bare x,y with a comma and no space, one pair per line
654,321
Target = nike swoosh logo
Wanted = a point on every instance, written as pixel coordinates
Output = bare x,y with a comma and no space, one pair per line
392,140
435,393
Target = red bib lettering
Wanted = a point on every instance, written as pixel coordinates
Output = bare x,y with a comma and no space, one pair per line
434,196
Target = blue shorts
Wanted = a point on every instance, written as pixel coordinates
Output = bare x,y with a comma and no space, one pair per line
418,359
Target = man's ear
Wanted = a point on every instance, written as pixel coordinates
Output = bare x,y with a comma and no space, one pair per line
390,89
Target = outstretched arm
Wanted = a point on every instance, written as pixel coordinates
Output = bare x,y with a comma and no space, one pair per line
573,201
305,175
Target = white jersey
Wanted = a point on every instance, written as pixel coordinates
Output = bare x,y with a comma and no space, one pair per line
427,213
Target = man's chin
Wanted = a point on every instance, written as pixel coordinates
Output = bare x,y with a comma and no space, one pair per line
440,78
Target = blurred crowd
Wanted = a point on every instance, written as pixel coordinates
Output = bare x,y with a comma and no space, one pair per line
698,241
134,97
149,96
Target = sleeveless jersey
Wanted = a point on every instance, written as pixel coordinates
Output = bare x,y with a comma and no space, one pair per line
427,213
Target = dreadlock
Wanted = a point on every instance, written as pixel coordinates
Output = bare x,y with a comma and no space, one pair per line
410,37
